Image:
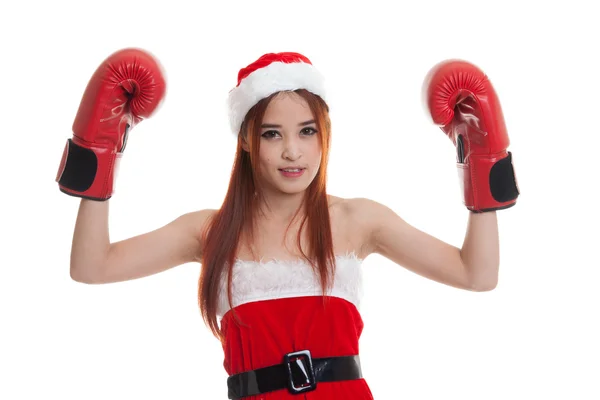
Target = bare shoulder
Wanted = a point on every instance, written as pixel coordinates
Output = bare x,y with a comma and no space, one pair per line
196,223
360,216
357,209
187,232
198,218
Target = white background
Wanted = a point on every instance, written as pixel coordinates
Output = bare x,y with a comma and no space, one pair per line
534,337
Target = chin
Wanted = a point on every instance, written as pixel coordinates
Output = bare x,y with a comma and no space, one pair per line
290,188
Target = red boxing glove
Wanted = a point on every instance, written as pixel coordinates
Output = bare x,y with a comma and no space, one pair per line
127,87
461,100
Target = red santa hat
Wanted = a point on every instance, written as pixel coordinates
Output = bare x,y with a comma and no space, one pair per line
271,73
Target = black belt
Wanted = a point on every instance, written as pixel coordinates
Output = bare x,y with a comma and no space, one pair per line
299,373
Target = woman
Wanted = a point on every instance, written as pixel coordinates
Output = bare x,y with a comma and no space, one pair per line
280,283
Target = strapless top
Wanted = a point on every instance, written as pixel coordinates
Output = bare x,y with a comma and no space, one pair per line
276,279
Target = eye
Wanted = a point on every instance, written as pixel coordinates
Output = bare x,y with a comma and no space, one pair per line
269,134
308,131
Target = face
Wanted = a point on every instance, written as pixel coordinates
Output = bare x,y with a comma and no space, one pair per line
290,147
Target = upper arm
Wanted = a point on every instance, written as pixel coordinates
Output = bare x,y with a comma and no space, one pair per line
176,243
391,236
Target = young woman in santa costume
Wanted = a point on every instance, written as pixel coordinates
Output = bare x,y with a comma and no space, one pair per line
280,282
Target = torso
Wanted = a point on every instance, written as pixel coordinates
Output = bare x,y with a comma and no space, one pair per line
277,301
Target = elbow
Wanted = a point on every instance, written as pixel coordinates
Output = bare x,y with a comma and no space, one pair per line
483,286
482,278
79,277
87,268
82,274
74,272
482,283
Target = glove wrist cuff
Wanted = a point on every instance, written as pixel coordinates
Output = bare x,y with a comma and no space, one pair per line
488,183
86,172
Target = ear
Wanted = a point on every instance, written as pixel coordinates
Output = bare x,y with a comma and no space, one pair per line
245,145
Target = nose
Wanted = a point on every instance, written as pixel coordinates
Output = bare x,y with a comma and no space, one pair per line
291,149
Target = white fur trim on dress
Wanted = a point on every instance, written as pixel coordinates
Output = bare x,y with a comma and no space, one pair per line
270,280
273,78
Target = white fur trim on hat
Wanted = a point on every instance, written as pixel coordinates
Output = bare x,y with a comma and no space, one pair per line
263,82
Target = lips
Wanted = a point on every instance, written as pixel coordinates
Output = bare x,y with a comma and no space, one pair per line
292,172
291,169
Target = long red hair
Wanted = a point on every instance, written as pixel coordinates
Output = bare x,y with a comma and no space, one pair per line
237,216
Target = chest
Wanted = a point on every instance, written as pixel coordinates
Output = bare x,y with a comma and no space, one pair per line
279,240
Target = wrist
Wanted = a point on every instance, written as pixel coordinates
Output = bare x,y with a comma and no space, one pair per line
87,171
488,183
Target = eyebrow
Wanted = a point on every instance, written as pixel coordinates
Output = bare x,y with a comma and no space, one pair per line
312,121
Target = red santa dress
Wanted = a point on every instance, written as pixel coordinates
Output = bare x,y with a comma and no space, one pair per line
281,310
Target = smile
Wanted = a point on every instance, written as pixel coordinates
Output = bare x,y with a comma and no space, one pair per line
292,172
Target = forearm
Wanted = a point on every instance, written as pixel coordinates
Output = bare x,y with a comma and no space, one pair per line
91,242
480,250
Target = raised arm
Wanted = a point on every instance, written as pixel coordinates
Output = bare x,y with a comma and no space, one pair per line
473,267
461,100
94,259
125,89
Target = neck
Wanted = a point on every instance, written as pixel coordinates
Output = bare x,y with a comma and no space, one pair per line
281,207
